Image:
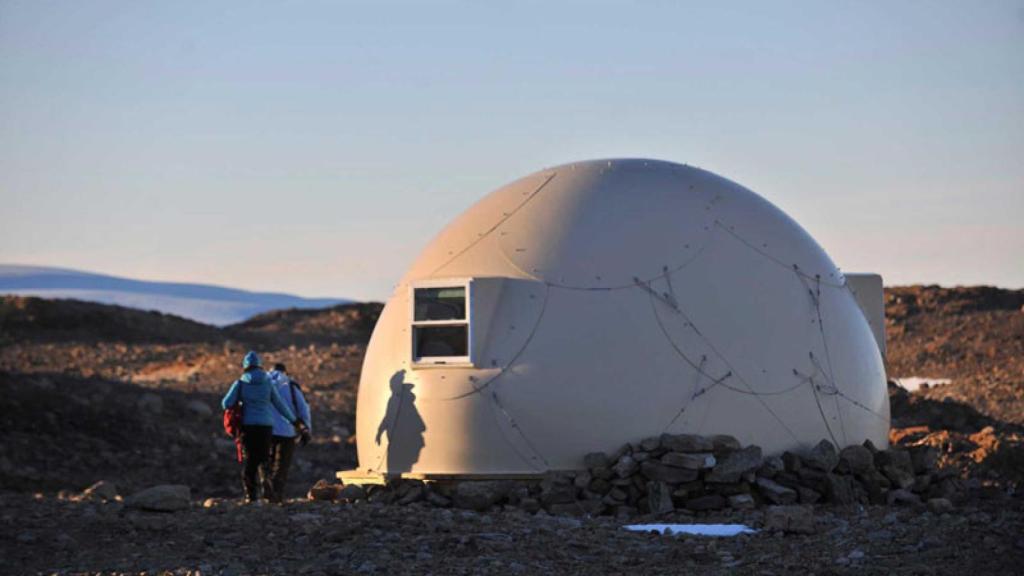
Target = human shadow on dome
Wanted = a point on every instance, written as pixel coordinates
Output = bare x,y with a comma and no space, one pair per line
403,425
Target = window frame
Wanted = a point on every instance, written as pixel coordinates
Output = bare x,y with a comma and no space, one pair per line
441,361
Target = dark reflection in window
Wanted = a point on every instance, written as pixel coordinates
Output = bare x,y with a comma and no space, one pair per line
435,341
440,304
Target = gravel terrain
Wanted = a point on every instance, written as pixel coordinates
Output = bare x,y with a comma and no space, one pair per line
94,393
303,537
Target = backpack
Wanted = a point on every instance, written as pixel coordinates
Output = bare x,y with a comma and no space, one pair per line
233,422
292,386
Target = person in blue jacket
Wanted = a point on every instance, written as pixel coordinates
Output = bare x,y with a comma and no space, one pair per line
282,443
260,399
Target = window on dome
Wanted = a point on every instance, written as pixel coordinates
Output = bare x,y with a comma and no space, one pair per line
441,323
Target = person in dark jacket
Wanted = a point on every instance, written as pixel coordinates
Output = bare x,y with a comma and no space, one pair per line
282,443
259,398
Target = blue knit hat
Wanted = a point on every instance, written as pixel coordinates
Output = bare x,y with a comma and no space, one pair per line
251,359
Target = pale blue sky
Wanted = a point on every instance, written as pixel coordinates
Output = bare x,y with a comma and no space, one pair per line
315,147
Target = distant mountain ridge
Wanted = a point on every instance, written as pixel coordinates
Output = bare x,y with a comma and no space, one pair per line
204,303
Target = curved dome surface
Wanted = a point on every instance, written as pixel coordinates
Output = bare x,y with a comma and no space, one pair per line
614,300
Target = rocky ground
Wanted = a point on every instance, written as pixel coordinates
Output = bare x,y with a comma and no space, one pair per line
91,393
49,535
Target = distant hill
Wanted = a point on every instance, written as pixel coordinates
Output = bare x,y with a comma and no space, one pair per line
200,302
344,324
31,319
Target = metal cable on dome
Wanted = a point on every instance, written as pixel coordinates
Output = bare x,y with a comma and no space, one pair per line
720,224
732,372
504,218
824,419
833,391
507,367
515,426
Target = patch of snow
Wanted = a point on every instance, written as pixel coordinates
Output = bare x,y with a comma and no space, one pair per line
206,303
717,530
913,383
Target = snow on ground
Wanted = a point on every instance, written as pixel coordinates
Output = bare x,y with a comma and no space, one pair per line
693,529
913,383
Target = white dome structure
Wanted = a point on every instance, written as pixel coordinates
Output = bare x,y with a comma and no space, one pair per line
604,302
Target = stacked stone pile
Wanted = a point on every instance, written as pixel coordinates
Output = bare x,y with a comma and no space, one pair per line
695,473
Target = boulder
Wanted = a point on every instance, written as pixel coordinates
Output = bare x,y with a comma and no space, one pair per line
683,492
162,498
738,488
895,458
616,496
776,493
857,459
690,461
686,443
792,462
872,482
599,485
324,491
822,457
811,477
659,498
101,490
724,443
650,444
787,479
583,479
741,501
734,464
771,467
839,489
900,477
479,495
661,473
902,497
791,519
414,494
708,502
807,495
626,466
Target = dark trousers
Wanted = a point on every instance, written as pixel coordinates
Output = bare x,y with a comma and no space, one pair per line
275,475
255,454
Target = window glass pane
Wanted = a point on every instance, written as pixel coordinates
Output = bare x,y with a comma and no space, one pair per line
433,341
441,303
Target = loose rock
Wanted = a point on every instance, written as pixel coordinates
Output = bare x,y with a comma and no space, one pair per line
735,464
162,498
822,457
